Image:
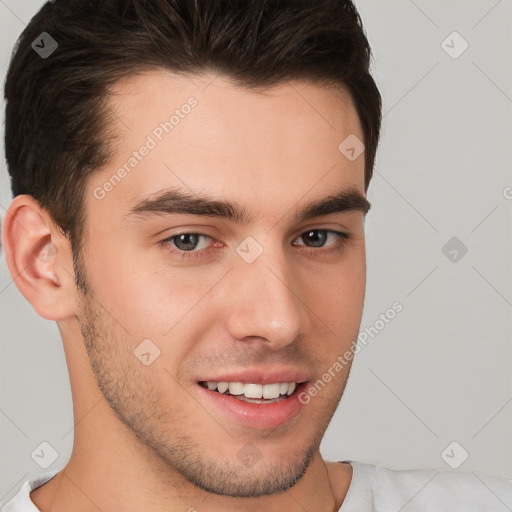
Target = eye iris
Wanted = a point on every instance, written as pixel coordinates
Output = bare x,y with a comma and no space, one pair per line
320,239
189,245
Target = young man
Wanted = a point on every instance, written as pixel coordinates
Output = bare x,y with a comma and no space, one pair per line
190,185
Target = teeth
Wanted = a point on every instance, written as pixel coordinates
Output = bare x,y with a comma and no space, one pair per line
253,390
267,391
271,391
222,387
236,388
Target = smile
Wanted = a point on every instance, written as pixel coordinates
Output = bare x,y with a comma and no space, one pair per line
255,406
253,393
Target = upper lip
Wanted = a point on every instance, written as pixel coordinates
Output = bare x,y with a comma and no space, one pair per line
275,375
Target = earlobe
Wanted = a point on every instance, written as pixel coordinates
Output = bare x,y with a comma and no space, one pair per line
39,259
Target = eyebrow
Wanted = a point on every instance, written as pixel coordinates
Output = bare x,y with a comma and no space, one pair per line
175,201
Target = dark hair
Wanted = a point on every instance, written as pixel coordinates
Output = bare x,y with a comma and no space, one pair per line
58,129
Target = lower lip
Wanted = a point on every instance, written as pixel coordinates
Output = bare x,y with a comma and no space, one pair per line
262,416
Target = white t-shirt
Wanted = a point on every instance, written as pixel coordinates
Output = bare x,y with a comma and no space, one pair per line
380,489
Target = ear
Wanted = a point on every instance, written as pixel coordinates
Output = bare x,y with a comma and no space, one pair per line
39,259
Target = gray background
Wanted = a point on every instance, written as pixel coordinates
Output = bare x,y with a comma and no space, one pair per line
439,372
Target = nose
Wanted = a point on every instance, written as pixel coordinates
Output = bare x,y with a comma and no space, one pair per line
264,304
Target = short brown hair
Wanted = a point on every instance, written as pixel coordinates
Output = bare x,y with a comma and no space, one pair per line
57,129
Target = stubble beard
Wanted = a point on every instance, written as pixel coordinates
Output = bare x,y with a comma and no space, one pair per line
169,451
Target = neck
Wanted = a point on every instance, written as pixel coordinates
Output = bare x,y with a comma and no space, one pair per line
110,482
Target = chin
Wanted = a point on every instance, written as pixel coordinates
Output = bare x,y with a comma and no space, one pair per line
248,478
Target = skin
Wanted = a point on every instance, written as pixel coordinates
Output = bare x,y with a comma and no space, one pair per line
144,439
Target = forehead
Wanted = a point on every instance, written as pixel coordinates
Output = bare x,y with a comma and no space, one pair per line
207,134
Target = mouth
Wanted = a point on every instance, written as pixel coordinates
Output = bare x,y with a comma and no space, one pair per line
253,405
253,393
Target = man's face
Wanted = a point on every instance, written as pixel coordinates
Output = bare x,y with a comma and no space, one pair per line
265,302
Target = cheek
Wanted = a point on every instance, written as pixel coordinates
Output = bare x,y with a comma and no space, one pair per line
152,300
336,294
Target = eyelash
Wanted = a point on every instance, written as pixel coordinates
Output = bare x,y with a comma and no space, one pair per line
334,248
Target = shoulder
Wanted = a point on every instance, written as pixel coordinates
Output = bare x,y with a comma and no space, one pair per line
22,501
422,489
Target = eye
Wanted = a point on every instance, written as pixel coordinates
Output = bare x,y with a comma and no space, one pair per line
318,237
185,245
